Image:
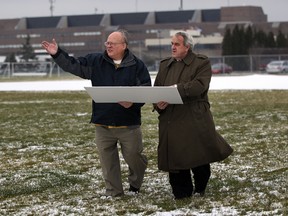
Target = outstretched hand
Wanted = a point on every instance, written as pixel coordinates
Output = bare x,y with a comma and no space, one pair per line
51,48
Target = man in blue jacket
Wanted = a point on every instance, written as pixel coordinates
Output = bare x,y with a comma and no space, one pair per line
115,122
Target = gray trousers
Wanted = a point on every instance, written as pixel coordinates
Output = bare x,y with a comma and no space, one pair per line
130,140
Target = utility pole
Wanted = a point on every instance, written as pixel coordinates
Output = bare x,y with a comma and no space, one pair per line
52,6
181,5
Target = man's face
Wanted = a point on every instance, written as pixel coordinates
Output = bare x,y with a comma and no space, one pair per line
179,50
115,46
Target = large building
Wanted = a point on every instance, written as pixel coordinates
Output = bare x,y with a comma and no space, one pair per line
149,31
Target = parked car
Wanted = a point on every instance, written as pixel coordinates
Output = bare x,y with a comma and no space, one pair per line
262,67
221,68
277,67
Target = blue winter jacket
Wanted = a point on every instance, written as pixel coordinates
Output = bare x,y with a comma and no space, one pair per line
100,69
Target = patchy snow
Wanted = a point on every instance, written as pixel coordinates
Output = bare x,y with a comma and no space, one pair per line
77,205
63,85
245,82
249,82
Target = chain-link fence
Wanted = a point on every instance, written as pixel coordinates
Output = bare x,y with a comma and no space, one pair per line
28,69
240,64
248,63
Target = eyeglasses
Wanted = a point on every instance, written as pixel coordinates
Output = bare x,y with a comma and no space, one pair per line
111,43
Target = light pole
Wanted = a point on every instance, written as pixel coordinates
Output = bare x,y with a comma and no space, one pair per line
52,6
181,5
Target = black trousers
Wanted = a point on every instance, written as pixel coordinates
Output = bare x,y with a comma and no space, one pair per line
181,181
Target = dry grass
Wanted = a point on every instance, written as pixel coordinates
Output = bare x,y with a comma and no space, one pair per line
49,163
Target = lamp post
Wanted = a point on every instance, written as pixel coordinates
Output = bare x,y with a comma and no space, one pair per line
52,6
181,5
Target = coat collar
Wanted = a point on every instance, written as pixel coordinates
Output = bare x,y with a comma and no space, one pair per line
187,60
127,59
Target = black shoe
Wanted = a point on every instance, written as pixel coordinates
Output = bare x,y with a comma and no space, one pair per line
134,190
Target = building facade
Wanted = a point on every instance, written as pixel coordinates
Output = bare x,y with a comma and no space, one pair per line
149,32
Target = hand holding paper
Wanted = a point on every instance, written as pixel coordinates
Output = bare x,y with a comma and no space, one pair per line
125,104
134,94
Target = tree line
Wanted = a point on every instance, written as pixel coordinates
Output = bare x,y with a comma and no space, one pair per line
240,40
27,52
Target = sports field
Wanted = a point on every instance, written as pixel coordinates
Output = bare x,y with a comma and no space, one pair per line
49,163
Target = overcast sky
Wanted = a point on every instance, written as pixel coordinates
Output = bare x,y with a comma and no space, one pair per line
275,9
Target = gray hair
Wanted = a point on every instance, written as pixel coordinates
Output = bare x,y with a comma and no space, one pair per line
188,39
124,34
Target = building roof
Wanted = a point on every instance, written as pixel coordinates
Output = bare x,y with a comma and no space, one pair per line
173,16
225,14
128,19
212,15
84,20
42,22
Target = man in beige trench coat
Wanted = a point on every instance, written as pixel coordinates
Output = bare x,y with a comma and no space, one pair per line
187,136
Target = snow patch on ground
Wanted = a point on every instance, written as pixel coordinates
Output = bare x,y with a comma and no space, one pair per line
247,82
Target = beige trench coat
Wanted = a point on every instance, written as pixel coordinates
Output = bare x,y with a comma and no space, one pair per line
187,135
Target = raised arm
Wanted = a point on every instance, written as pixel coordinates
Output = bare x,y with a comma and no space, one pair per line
50,47
77,66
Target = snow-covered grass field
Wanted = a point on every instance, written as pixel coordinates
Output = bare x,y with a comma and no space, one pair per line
49,163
